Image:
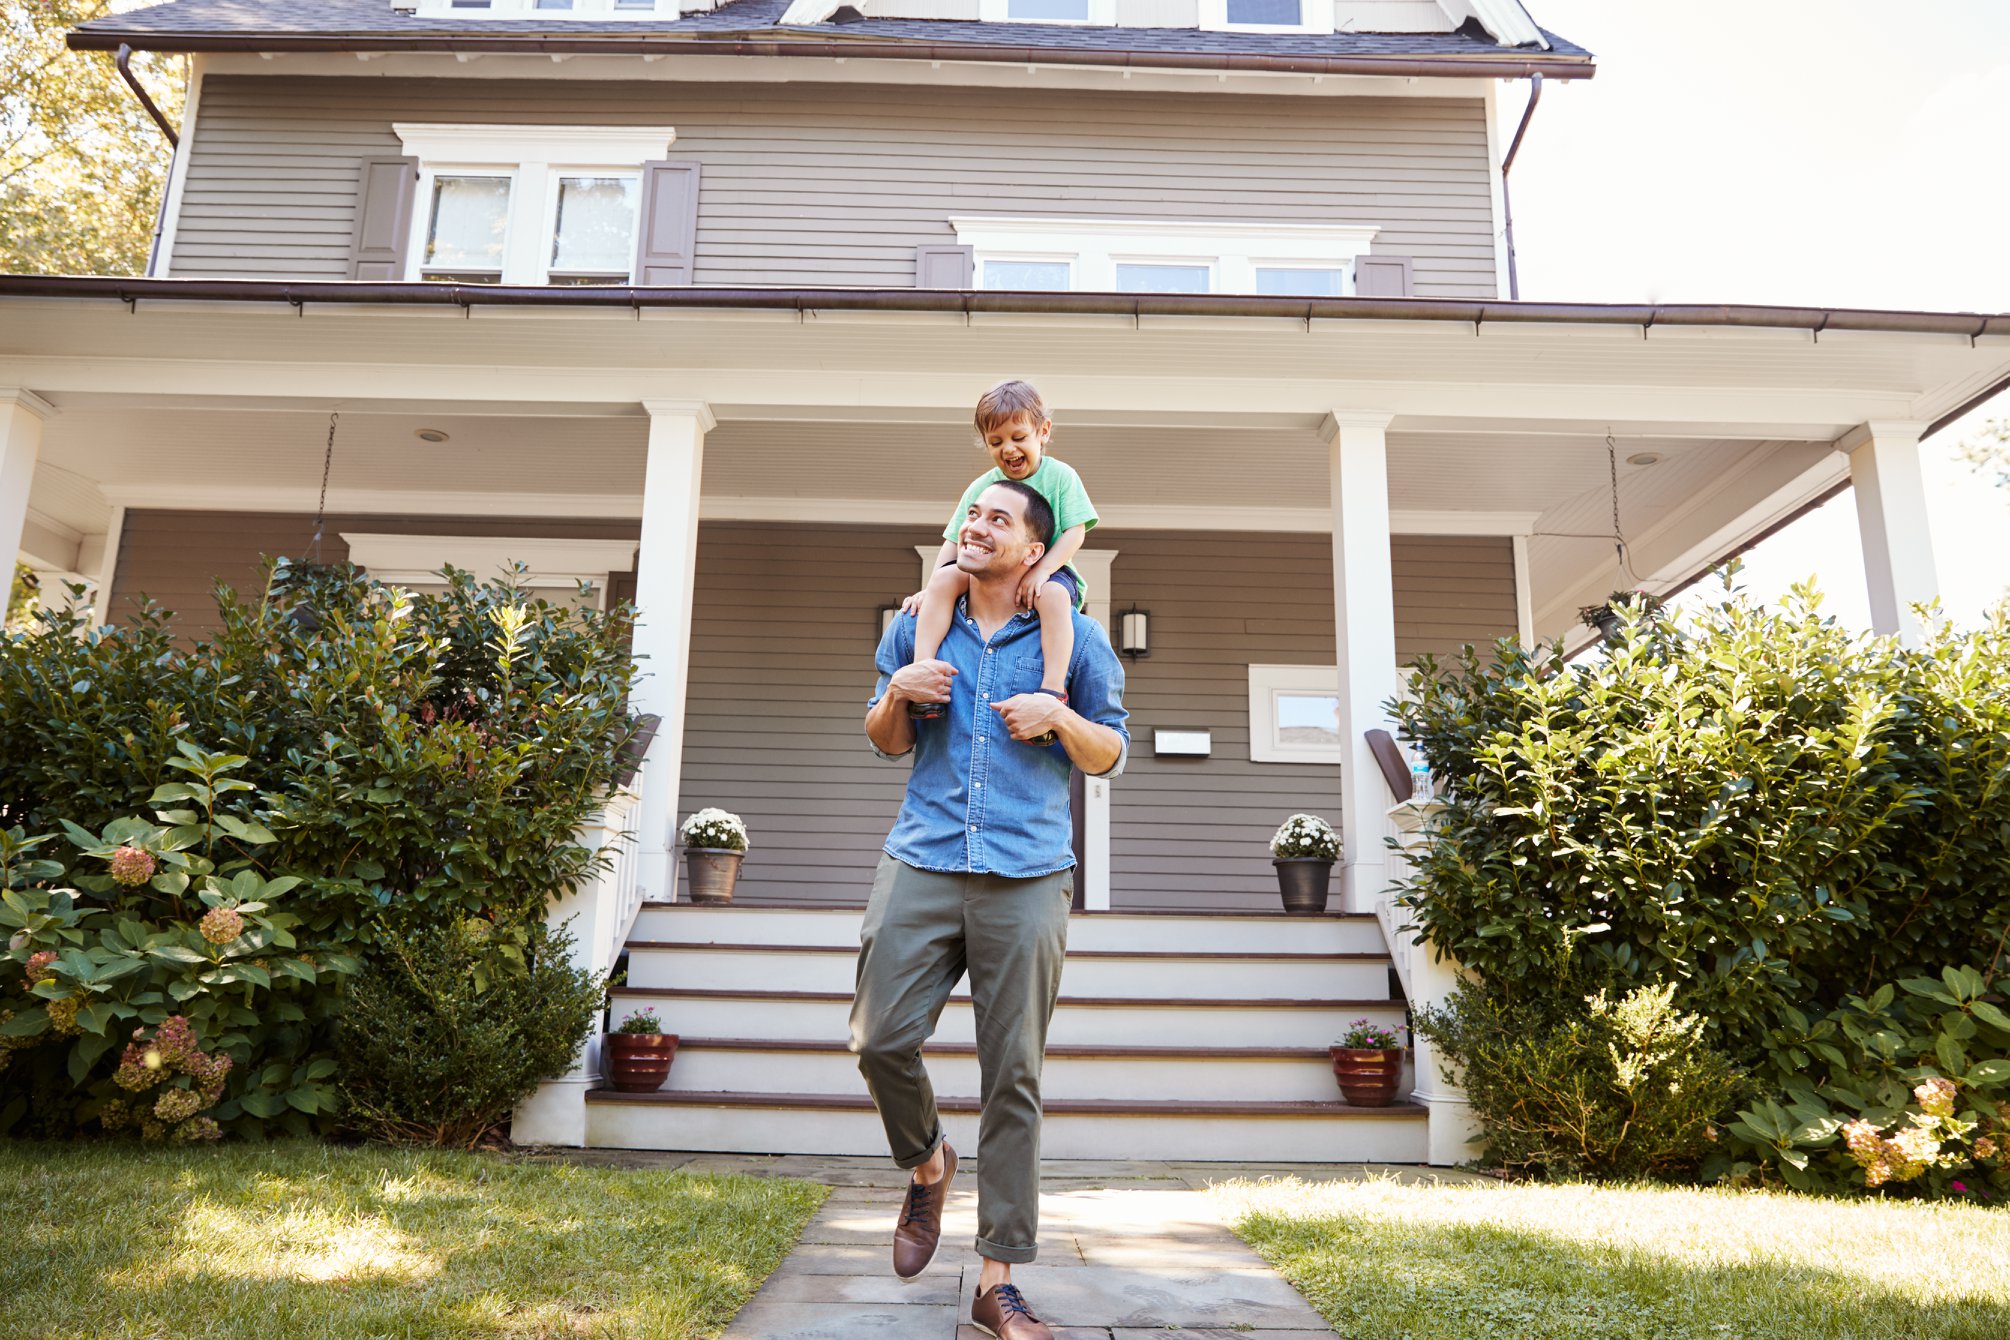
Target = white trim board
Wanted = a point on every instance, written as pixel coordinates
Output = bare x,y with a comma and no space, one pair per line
1232,251
862,511
178,168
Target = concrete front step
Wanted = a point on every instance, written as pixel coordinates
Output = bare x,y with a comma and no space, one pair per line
1311,1132
1105,1021
1133,932
1138,1074
1226,975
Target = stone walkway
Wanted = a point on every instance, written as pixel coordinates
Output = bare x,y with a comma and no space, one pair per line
1127,1251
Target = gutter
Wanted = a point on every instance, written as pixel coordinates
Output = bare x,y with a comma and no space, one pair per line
1513,65
1969,325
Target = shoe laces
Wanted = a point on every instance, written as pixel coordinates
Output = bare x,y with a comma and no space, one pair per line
1009,1302
917,1202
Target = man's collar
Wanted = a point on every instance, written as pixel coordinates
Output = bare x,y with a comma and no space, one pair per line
963,609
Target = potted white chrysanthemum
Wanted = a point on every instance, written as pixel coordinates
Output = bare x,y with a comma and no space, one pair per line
1304,849
715,842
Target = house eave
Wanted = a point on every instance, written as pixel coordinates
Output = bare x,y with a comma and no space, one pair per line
1509,64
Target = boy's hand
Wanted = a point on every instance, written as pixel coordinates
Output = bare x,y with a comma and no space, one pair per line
1029,588
912,605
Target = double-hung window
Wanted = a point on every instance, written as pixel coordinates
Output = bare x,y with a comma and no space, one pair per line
528,204
1164,256
1101,12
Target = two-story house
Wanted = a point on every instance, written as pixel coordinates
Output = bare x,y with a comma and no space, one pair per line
693,301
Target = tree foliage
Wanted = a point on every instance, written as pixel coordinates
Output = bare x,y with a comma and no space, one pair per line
82,165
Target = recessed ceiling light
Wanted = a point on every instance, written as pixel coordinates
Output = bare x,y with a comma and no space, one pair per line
431,435
1637,458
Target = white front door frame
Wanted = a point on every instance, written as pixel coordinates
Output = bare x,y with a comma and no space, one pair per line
665,575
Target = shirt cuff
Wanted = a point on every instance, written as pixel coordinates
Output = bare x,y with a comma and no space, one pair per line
891,758
1123,756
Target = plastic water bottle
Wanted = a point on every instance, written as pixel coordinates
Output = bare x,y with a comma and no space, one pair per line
1420,777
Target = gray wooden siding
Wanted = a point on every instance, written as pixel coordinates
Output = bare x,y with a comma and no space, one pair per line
174,558
1193,834
830,184
781,668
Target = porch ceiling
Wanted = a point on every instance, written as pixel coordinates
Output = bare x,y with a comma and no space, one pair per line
1197,421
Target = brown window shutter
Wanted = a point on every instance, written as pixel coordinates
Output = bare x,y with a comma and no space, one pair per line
1382,277
383,218
667,238
944,267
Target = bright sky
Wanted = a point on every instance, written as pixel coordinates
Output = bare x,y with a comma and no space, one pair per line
1837,153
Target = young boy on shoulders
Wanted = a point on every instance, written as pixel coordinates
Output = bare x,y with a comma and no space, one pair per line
1013,427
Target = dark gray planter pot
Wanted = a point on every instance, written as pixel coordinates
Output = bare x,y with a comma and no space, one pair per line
712,872
1304,881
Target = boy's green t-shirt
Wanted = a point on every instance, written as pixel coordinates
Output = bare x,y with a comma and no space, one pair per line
1057,482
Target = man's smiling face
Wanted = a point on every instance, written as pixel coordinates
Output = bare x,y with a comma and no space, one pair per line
1018,445
993,539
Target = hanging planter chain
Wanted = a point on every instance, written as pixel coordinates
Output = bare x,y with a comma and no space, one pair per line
321,505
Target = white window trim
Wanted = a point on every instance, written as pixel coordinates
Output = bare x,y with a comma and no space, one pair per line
1102,14
1317,16
1265,682
527,9
534,158
555,565
1234,249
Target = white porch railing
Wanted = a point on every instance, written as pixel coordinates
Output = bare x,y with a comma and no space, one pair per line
1428,977
599,913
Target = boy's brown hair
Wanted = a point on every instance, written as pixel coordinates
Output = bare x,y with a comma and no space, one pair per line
1007,401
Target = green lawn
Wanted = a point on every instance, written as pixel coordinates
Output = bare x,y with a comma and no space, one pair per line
1382,1260
303,1241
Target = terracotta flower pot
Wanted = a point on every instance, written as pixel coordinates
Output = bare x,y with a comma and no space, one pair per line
1303,882
639,1062
712,873
1368,1075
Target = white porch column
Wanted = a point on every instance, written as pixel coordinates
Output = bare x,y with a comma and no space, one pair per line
21,416
1364,614
1891,516
664,573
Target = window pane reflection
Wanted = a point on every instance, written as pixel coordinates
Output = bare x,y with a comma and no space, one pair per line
1296,283
595,231
1308,718
1026,276
469,222
1132,278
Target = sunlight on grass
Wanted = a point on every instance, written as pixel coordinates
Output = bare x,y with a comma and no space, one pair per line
1381,1259
234,1242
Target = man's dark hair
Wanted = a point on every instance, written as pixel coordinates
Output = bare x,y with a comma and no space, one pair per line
1039,512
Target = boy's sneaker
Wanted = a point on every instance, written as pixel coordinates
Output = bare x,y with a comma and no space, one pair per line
1002,1311
927,711
1050,737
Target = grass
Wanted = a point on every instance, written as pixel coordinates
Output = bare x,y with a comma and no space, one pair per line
233,1241
1383,1261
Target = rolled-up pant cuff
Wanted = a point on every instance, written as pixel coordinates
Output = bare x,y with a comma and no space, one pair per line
910,1164
1011,1256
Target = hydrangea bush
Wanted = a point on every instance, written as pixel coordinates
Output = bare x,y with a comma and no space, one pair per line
714,829
1305,835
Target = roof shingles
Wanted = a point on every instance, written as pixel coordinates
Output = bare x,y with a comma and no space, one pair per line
364,19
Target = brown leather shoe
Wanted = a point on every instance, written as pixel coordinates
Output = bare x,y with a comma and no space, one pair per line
1003,1312
920,1228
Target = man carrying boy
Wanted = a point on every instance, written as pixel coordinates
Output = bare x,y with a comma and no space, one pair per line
978,875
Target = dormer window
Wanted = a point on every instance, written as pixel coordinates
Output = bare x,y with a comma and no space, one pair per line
555,9
1267,16
1101,13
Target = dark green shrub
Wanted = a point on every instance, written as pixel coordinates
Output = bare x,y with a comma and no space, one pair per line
1765,811
378,756
428,1057
1616,1089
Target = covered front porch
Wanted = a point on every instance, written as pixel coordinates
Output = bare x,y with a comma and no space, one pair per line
1323,499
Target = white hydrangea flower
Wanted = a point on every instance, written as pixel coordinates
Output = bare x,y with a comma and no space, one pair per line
1304,835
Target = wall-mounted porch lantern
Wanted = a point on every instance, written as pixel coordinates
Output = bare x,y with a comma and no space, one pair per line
1134,632
883,618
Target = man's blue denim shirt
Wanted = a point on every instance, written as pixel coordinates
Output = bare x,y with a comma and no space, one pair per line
979,800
